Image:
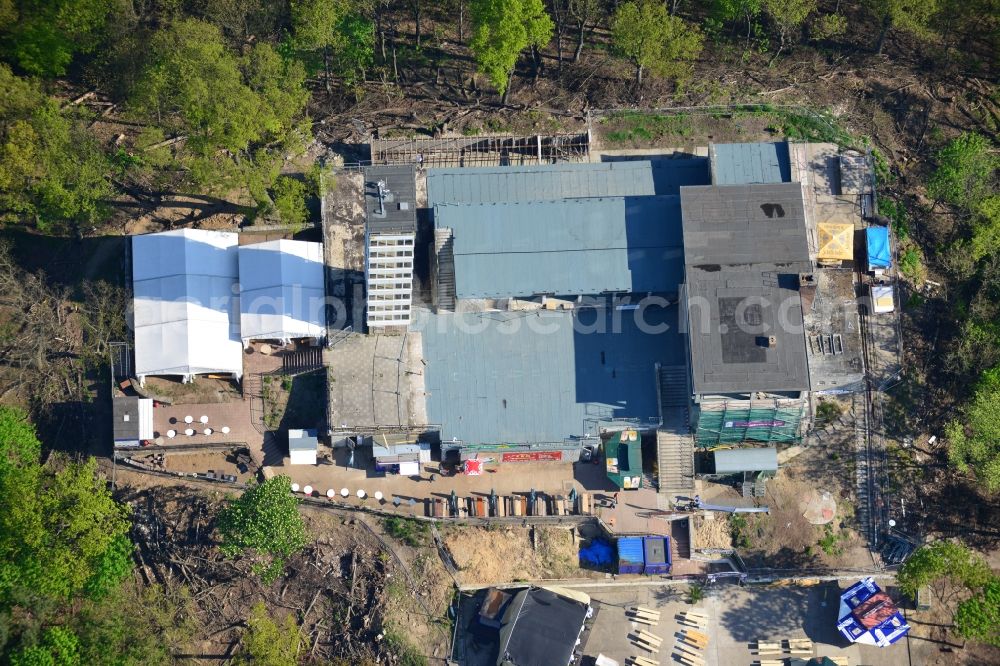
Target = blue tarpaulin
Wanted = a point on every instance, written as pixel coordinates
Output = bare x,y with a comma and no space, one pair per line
597,554
879,254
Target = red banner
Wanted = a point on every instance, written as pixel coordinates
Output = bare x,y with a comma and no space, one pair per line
531,456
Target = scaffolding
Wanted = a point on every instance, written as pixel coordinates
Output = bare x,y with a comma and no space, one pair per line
736,421
488,150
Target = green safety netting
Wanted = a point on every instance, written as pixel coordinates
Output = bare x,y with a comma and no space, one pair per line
732,424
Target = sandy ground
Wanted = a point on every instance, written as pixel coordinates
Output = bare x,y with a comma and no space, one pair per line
711,531
505,555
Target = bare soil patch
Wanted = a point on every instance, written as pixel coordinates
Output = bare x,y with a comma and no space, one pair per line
494,556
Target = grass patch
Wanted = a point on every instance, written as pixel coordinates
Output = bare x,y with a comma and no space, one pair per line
739,530
406,653
897,215
695,594
827,411
911,264
411,532
831,542
633,126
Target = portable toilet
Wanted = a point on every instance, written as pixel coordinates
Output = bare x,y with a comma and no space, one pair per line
630,558
656,554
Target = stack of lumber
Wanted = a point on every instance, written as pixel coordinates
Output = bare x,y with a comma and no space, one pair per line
690,647
643,615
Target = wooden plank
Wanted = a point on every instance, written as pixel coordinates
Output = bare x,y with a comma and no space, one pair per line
642,609
695,613
652,638
689,622
768,646
642,620
643,661
696,634
646,646
688,660
701,645
684,647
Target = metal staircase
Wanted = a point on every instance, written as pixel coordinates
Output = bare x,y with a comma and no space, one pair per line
444,270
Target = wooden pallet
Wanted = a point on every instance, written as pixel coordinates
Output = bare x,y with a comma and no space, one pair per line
643,661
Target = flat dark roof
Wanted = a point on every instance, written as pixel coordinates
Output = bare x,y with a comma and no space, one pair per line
744,248
540,628
399,211
754,227
126,429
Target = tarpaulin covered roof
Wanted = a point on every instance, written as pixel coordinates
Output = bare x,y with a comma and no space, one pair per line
281,291
836,241
187,306
540,628
879,252
868,615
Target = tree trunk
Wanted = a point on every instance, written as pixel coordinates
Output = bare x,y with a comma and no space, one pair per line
506,91
886,25
461,21
395,70
536,62
638,77
673,7
416,19
560,28
326,67
580,37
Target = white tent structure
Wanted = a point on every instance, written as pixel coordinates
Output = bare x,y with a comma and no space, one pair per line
186,304
281,291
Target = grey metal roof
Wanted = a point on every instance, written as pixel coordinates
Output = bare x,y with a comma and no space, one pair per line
733,461
745,225
399,211
570,247
539,183
745,163
744,248
302,440
126,418
543,376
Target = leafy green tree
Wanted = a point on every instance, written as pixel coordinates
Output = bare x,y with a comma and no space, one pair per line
269,643
61,531
939,560
501,30
736,11
974,438
53,175
290,201
966,174
787,16
59,647
263,524
42,36
314,24
240,113
978,618
652,39
910,16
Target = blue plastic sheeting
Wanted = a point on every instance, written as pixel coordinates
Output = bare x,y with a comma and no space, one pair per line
630,556
879,252
598,554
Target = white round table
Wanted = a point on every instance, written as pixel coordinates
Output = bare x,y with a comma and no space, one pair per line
331,493
361,494
207,431
295,487
344,492
203,419
225,430
308,490
188,419
189,432
171,434
378,495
